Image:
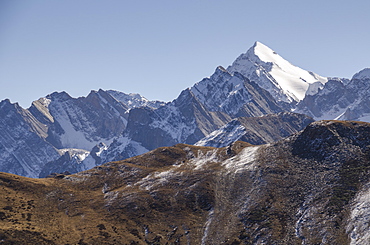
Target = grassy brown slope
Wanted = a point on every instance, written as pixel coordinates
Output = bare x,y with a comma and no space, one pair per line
49,211
105,205
298,190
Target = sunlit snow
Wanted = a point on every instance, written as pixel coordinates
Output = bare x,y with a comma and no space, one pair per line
224,136
243,160
275,73
359,220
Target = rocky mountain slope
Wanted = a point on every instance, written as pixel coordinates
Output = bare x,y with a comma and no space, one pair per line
56,126
83,122
340,99
257,130
198,111
76,134
310,188
235,95
130,125
23,148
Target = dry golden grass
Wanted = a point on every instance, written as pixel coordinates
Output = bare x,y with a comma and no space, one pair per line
83,209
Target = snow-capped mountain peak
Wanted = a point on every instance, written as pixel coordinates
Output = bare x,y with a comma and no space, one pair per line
265,53
283,80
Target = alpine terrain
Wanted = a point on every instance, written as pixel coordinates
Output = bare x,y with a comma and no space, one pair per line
309,188
257,99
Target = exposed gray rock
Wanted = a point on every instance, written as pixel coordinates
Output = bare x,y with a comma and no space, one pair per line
135,100
339,100
32,141
23,148
257,130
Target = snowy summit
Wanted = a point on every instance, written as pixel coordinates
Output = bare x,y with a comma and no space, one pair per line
283,80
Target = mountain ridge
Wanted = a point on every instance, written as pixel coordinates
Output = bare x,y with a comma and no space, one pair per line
257,130
283,80
258,83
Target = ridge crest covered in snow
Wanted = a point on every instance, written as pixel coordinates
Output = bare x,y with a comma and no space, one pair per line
283,80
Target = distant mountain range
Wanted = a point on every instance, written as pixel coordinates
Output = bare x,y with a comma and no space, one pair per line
59,133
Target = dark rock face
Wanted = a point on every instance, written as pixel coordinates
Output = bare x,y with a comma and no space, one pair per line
63,163
261,104
23,149
109,117
183,120
138,129
339,100
273,127
198,111
96,118
327,136
235,95
310,104
257,130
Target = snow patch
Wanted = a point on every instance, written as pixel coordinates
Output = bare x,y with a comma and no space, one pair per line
71,137
158,178
335,113
359,222
133,100
243,160
173,122
121,146
207,225
78,154
224,136
45,102
314,88
204,158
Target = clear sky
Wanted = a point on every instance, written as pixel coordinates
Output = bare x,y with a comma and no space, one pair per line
159,47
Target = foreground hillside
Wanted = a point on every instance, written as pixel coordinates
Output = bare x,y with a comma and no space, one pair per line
310,188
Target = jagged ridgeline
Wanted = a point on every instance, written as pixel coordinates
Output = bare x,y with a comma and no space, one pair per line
60,133
309,188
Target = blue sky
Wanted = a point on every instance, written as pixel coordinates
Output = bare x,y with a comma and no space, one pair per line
158,48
